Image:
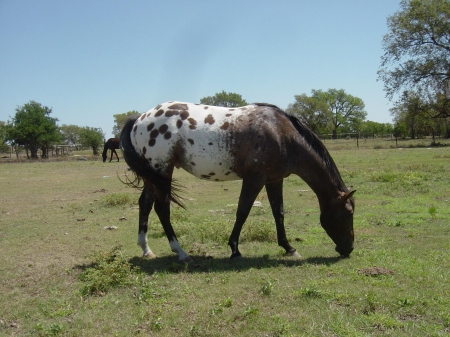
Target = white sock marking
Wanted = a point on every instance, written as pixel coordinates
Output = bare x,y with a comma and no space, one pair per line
142,242
176,248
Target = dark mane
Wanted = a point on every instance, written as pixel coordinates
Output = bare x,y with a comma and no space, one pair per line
316,145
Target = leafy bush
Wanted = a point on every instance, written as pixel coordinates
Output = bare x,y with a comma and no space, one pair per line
109,270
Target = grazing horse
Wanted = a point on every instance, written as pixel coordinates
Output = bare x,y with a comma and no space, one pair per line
111,144
259,144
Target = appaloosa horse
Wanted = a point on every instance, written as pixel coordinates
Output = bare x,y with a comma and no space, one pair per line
111,144
258,143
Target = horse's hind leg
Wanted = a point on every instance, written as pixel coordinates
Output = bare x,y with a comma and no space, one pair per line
146,201
275,195
162,209
249,191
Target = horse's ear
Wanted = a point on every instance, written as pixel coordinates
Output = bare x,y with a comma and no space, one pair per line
348,195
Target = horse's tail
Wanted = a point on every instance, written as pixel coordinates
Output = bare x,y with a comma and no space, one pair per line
143,171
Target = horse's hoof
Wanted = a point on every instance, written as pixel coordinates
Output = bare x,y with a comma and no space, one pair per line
187,259
150,255
294,254
236,257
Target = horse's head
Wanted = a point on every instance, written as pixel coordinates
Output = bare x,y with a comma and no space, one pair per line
337,219
104,157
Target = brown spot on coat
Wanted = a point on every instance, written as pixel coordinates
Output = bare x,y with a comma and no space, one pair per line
170,113
157,107
143,116
192,163
154,133
212,174
163,128
159,112
167,135
144,150
184,114
225,126
179,106
204,176
210,143
228,115
150,126
192,127
152,142
192,121
179,123
210,119
135,128
191,141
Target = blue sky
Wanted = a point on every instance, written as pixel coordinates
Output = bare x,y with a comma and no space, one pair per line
89,60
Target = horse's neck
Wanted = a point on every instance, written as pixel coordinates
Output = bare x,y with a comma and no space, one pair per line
314,173
105,149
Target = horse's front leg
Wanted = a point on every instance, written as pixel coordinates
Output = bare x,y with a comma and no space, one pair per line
275,194
162,209
249,191
145,206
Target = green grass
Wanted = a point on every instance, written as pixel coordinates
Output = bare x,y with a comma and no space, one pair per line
63,274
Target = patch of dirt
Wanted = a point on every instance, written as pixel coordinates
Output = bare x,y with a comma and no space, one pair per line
375,271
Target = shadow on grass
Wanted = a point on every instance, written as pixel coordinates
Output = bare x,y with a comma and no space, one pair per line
202,264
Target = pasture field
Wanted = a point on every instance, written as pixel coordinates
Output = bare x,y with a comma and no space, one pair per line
70,266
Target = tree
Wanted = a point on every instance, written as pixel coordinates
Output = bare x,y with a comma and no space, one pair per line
345,109
71,134
226,99
411,111
312,111
33,128
92,137
3,146
119,121
417,51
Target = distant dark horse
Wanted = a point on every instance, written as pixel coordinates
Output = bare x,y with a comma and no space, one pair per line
258,143
111,144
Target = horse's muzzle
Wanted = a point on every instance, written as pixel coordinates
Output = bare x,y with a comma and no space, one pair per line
344,251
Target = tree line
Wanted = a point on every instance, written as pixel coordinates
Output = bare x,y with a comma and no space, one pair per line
33,129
